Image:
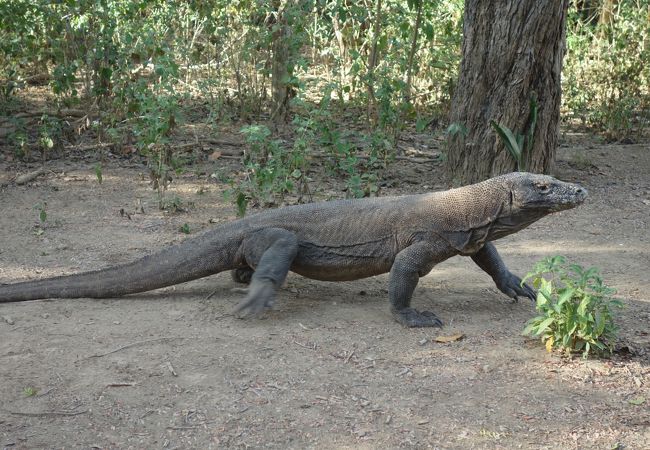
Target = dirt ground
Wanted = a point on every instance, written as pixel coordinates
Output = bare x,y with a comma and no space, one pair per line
328,368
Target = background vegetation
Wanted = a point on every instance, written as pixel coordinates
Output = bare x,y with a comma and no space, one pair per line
338,78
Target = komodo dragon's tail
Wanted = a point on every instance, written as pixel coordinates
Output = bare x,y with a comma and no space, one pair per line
194,258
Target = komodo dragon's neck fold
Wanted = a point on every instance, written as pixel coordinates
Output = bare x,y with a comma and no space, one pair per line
468,217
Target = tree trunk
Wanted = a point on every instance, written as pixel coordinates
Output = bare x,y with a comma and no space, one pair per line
372,63
414,48
343,56
512,51
280,75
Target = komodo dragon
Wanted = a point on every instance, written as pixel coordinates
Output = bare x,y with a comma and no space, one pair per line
340,240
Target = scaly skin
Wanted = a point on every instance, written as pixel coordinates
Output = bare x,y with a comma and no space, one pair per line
340,240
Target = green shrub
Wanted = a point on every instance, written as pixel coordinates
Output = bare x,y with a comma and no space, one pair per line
271,170
575,308
605,81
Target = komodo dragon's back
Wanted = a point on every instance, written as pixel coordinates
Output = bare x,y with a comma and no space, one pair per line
339,240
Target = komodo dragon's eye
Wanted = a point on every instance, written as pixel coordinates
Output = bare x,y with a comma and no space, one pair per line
543,188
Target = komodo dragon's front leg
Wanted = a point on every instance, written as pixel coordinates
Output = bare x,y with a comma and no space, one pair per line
488,259
270,252
410,264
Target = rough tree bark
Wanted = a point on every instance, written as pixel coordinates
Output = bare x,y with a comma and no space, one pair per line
512,50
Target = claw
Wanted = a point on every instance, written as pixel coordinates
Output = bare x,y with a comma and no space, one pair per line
412,318
512,286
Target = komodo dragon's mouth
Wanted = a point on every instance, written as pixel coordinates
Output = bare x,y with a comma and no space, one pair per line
570,199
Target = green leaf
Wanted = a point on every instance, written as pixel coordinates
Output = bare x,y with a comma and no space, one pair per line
427,29
242,204
544,325
582,308
565,340
98,172
421,124
617,303
600,323
573,329
637,401
508,139
541,300
520,142
529,329
598,345
30,391
456,128
565,295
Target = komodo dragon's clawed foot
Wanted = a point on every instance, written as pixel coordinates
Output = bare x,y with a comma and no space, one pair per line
413,318
242,275
511,285
261,296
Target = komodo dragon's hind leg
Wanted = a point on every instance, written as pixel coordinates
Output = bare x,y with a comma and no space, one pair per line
271,252
410,264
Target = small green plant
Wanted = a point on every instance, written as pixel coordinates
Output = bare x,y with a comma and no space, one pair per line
49,133
175,204
185,229
271,170
98,173
575,308
42,212
30,391
361,185
19,140
7,88
517,145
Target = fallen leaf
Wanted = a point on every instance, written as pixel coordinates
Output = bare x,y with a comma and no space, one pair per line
214,155
637,401
452,338
549,344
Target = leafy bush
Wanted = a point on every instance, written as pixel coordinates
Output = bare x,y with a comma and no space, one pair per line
605,80
575,306
271,171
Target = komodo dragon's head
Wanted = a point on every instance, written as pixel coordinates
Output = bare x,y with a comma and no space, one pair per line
541,194
529,197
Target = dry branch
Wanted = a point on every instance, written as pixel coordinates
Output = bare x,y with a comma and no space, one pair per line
26,178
